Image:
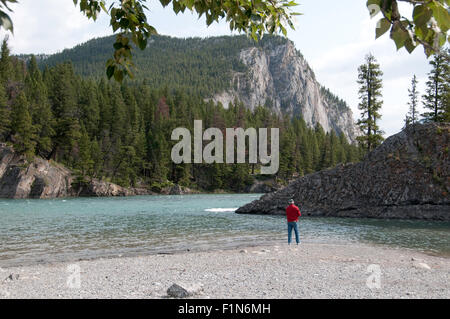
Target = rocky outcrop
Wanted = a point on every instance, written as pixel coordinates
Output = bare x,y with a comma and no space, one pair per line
266,186
277,75
47,179
406,177
38,179
177,190
97,188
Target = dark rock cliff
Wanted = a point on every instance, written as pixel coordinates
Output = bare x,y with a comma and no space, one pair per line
406,177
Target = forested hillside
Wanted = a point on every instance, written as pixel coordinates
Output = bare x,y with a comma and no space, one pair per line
269,72
122,133
200,65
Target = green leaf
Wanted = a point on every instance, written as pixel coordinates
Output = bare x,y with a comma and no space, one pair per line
164,2
118,45
399,36
142,43
442,39
110,62
110,71
124,23
102,5
6,22
382,27
409,45
374,7
421,32
422,15
441,15
372,2
118,75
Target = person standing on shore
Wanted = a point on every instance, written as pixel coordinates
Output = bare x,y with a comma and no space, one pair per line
292,214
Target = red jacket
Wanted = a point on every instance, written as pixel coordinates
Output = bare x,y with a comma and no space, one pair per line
292,213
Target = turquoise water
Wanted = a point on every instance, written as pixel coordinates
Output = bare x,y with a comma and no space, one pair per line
35,231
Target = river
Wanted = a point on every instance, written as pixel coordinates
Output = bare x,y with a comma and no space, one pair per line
40,231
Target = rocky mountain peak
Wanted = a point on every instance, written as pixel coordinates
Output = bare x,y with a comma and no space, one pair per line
278,76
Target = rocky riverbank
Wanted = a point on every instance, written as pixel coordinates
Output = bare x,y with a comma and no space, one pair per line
408,176
40,178
310,271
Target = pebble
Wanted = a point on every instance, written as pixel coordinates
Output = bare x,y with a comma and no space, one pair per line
12,277
423,266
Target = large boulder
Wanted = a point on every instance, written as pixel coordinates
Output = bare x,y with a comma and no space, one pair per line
406,177
37,179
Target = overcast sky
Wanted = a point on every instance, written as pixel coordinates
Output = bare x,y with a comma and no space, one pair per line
334,37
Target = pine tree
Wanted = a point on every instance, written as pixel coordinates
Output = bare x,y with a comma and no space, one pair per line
22,127
5,120
89,106
85,162
97,159
287,148
6,67
370,81
342,149
412,116
437,90
40,109
62,91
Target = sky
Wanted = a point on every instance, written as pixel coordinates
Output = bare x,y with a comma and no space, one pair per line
333,36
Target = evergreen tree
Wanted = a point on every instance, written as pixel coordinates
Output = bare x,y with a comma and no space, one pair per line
85,162
40,109
89,107
412,116
6,67
22,127
370,81
342,150
5,120
287,148
437,90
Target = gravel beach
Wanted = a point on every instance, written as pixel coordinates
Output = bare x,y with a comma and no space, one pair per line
310,271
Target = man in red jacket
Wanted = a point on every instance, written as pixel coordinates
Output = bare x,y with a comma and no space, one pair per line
292,214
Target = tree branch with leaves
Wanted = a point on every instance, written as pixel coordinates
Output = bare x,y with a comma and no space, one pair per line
428,26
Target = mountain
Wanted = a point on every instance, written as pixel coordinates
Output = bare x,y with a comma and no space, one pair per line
405,177
277,75
270,72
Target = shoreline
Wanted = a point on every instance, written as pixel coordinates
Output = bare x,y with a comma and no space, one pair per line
313,270
309,215
169,252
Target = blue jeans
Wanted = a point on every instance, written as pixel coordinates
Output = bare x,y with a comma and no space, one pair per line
293,225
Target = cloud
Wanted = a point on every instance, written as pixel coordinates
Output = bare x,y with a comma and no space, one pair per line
49,26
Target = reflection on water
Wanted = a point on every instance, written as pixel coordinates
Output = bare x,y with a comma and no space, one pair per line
50,230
